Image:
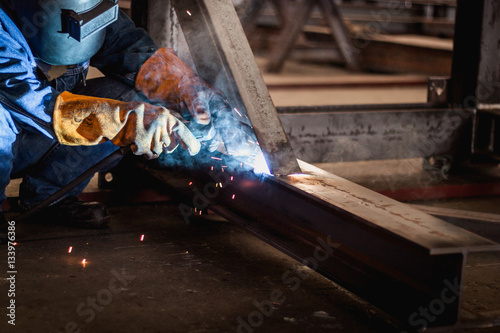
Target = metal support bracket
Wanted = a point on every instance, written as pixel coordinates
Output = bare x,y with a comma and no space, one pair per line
223,57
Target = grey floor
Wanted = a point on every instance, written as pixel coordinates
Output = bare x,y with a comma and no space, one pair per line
208,276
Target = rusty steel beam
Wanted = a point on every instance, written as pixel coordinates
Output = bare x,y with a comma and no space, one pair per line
396,257
375,132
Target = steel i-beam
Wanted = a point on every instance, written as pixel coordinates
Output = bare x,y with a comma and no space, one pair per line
395,256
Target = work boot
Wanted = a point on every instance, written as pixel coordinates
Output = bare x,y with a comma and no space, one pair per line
75,213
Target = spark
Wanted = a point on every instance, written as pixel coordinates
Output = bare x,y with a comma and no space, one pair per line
70,249
200,213
235,109
15,243
216,184
84,262
212,168
142,238
190,183
216,158
234,195
232,178
220,184
189,13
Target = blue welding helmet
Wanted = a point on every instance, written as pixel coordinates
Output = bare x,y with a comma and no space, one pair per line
64,32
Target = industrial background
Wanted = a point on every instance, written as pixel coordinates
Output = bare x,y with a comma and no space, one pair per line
378,120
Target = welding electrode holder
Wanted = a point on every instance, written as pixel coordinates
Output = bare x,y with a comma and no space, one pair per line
102,165
233,131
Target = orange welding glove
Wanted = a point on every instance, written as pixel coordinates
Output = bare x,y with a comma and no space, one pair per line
166,78
148,129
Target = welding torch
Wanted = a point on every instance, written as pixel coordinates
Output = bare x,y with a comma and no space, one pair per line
228,133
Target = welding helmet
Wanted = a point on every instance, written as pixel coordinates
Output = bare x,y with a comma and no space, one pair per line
64,32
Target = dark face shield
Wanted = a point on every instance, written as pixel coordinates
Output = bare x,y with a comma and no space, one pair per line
65,32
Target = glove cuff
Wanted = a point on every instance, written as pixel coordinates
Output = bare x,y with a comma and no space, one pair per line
83,120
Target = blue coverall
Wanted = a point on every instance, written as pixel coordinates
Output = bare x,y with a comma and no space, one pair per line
27,145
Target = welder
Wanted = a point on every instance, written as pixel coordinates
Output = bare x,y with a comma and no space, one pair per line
54,124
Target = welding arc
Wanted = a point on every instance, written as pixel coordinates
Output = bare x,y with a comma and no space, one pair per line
66,189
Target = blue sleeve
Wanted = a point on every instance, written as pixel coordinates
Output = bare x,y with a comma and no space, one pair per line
21,93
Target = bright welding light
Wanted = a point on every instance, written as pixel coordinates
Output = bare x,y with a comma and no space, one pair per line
260,165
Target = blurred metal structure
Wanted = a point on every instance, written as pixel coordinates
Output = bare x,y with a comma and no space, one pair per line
475,79
294,25
253,9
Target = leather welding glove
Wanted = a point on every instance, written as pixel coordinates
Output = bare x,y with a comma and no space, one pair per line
147,129
166,78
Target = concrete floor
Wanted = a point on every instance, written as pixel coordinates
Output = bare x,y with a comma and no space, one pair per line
201,277
210,275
